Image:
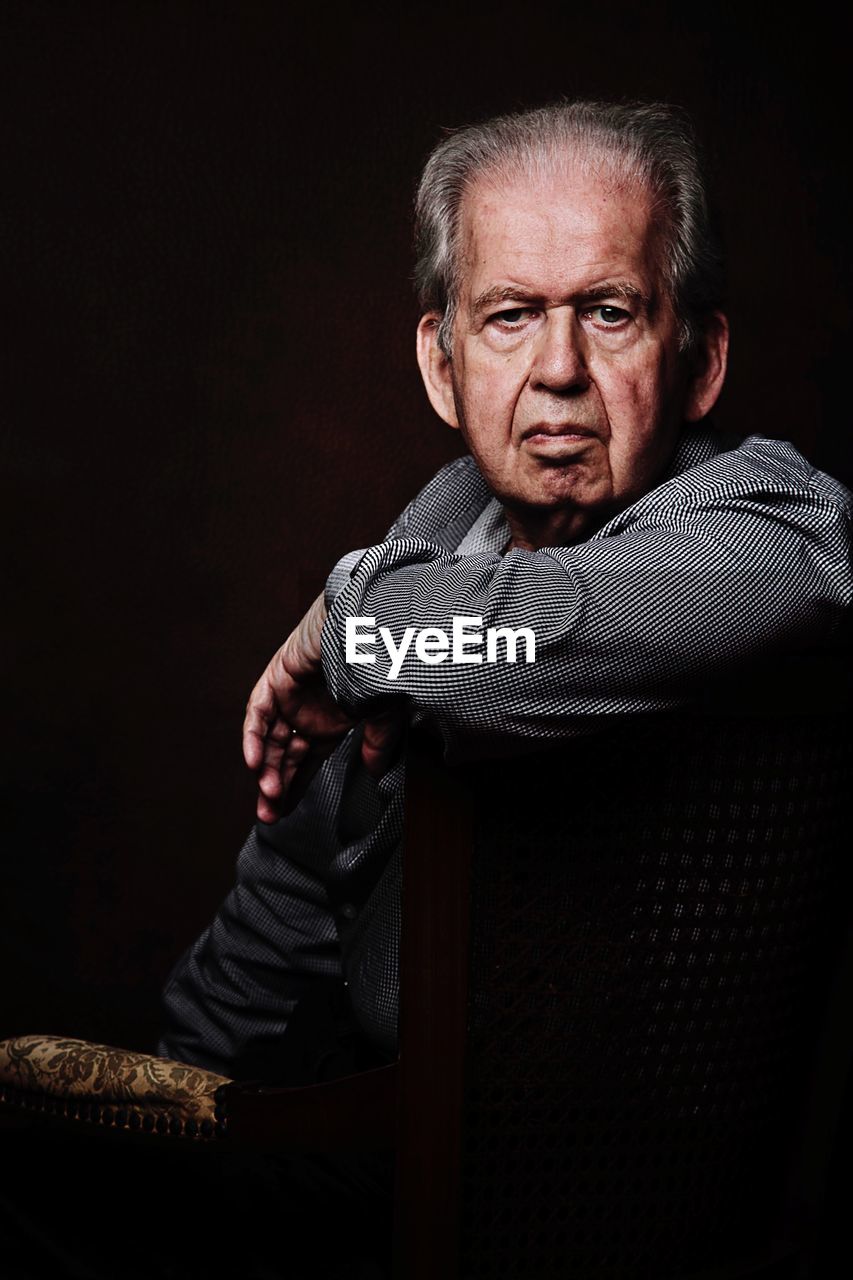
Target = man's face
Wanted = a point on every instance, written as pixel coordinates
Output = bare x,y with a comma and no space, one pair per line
566,379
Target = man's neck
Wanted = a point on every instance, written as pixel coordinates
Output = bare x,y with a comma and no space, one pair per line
533,528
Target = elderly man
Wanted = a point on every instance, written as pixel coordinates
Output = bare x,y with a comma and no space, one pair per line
599,551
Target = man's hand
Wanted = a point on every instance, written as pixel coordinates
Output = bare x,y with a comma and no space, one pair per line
292,723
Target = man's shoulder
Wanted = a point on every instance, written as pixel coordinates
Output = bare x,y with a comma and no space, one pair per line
754,464
781,462
447,506
717,481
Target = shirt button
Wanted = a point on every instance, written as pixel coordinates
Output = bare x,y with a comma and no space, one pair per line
348,911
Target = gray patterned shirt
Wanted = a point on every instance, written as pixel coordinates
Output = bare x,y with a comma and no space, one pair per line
741,551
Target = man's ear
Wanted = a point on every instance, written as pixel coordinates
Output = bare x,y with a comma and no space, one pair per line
708,372
435,369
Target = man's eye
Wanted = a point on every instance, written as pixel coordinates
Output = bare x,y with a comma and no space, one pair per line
609,316
513,317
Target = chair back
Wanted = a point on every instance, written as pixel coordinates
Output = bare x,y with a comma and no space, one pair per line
647,923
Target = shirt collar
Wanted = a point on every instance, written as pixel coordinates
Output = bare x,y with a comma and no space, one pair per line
489,532
695,446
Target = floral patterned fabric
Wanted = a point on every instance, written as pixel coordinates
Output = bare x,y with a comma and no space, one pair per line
109,1085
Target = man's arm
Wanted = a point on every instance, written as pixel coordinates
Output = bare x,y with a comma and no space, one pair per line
752,560
231,994
291,721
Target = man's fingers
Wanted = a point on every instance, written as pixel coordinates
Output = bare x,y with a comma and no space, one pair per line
291,723
260,710
277,781
273,750
266,811
270,703
381,740
269,782
297,751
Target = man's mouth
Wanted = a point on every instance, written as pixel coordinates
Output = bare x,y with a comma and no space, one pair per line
549,435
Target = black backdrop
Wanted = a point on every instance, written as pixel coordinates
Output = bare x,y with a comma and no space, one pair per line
209,389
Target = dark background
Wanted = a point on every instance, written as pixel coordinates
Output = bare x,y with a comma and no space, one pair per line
209,389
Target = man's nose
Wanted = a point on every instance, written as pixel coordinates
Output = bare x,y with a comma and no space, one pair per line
559,363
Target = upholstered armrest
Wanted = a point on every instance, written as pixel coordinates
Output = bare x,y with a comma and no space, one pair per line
112,1088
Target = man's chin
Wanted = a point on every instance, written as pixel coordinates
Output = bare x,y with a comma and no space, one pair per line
552,488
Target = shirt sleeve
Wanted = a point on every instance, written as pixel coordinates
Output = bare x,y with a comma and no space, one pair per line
625,623
229,998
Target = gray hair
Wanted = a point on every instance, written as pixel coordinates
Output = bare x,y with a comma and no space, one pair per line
652,144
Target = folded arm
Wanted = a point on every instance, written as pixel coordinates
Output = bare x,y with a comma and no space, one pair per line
624,623
744,556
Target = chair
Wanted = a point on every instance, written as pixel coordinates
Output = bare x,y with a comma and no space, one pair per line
644,1048
617,960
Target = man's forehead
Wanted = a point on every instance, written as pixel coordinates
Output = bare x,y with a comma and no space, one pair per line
541,227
